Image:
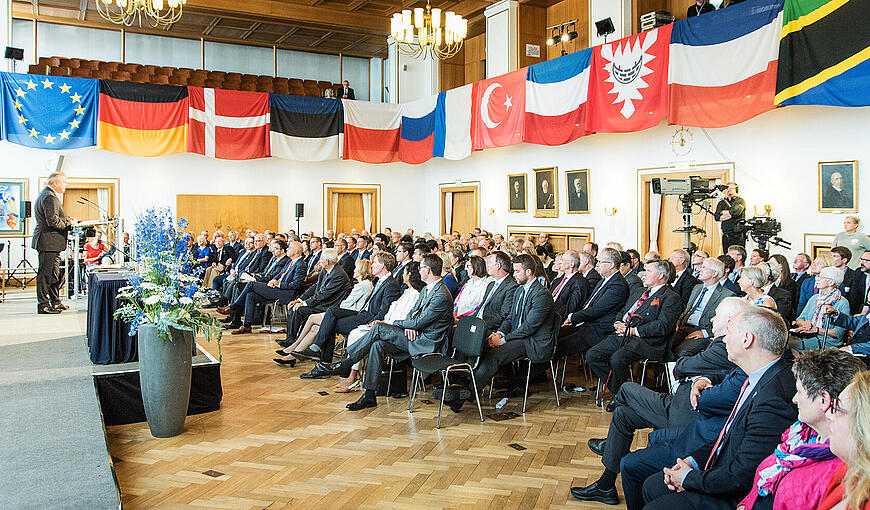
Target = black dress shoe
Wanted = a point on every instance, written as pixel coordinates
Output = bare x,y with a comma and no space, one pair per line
233,325
283,343
597,446
454,392
47,310
282,361
281,352
363,403
305,354
60,306
611,406
593,493
320,371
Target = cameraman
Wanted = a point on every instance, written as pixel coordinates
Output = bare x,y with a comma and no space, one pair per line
730,210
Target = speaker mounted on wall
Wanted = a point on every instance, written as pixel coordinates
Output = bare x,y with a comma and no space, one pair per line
14,53
300,210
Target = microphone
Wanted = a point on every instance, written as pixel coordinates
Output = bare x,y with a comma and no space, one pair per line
83,200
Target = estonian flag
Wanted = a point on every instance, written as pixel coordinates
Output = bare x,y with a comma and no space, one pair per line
306,128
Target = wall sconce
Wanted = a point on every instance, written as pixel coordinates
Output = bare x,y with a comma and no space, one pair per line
767,209
610,211
490,211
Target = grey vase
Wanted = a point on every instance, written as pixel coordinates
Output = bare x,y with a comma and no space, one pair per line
164,375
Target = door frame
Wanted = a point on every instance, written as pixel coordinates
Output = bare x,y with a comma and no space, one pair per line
452,187
724,171
342,187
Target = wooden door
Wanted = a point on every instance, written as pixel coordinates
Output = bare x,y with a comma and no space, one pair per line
350,212
81,211
464,215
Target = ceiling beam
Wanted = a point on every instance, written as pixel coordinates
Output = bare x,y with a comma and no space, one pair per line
34,7
213,23
315,3
323,37
351,45
356,4
287,35
83,9
278,11
250,31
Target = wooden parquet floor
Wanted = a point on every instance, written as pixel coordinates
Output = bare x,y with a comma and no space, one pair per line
277,443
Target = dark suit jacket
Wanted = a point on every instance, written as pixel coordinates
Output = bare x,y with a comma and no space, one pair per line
223,255
275,271
857,292
431,318
577,203
294,278
705,322
52,224
243,260
634,282
312,260
532,322
755,431
573,295
260,261
341,93
238,246
656,323
592,278
500,305
782,298
712,360
846,286
347,263
733,287
331,288
379,302
600,312
684,285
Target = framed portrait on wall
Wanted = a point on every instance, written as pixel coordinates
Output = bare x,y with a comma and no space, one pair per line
13,194
816,244
838,186
577,191
517,193
546,192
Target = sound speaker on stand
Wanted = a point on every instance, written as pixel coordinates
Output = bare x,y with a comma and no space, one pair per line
300,212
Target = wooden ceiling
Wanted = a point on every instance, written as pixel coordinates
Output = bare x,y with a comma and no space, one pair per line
351,27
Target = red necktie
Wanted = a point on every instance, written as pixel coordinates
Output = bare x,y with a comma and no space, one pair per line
637,304
715,452
559,287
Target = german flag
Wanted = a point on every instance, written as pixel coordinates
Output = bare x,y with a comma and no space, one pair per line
142,119
824,53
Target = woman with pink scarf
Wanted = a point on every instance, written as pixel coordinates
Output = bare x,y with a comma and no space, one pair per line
792,477
812,318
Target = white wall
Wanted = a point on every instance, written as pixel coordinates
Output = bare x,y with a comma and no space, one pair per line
776,157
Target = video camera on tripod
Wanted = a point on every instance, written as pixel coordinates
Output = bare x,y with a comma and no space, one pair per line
763,230
693,190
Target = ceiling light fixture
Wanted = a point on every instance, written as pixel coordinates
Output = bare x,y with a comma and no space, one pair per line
128,12
426,34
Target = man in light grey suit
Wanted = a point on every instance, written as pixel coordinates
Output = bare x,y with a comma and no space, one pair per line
49,239
424,331
695,327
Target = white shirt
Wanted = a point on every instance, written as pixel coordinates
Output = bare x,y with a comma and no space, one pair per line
472,294
562,284
679,274
700,307
401,307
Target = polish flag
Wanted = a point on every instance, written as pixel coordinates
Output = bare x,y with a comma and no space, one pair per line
371,131
498,108
228,124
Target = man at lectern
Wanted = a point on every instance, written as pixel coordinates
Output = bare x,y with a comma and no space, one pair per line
49,239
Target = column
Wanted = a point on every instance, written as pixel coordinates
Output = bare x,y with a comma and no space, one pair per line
410,78
501,38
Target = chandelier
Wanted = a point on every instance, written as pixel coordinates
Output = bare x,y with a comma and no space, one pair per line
427,35
127,12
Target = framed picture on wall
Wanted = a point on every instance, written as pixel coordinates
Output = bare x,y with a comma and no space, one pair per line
517,193
546,192
577,191
13,194
816,244
838,186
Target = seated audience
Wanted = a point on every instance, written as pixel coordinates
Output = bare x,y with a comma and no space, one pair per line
684,282
725,281
471,296
812,318
698,258
447,276
332,286
841,256
201,255
757,256
222,257
752,281
849,486
628,272
695,329
241,262
738,255
571,289
808,287
345,259
789,478
587,267
859,293
782,297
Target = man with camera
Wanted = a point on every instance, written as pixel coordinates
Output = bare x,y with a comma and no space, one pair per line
730,210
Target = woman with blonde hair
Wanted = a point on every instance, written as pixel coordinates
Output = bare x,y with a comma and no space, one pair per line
354,301
447,276
752,280
849,486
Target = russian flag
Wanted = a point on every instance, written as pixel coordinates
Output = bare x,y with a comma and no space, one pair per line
418,130
371,131
723,64
556,92
453,123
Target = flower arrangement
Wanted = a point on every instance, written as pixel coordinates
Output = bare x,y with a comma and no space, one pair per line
162,291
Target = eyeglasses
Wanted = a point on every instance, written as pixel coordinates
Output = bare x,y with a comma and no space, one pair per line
864,260
835,407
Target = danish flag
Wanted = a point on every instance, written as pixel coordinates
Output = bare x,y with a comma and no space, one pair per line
228,124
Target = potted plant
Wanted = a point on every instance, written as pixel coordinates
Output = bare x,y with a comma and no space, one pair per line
161,305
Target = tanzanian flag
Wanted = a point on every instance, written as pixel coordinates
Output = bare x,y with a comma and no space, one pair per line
142,119
824,53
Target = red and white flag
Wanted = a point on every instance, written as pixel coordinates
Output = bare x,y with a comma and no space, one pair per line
228,124
628,85
498,108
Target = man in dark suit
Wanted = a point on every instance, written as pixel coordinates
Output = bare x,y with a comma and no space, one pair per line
801,266
841,256
859,293
517,195
643,328
587,269
220,259
404,252
273,270
684,282
586,327
578,200
234,242
316,247
238,265
424,331
257,264
631,278
49,239
345,260
730,210
345,92
527,331
695,327
569,290
638,407
284,288
364,247
343,321
498,298
719,474
333,285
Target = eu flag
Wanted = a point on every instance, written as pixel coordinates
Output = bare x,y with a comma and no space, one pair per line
49,112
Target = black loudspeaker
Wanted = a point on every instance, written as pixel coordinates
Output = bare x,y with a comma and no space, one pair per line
300,210
604,27
28,209
14,53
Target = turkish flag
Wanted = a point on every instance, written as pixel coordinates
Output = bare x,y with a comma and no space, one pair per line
228,124
628,87
498,110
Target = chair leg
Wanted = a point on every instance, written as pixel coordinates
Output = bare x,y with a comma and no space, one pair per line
476,397
555,388
564,368
390,377
413,393
443,394
490,386
526,394
643,371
